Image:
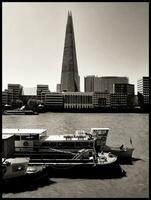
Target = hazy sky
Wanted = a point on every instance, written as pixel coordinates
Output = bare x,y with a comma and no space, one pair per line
112,39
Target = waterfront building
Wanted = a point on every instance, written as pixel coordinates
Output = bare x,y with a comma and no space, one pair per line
121,89
101,99
124,88
53,100
70,80
4,97
143,85
10,96
118,100
143,88
14,92
43,94
40,89
78,100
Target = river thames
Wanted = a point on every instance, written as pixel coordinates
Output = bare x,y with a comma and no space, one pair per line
122,126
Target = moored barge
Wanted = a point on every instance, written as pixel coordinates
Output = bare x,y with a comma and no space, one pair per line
36,144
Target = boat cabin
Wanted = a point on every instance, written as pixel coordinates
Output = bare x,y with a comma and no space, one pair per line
8,145
26,139
100,134
14,167
69,141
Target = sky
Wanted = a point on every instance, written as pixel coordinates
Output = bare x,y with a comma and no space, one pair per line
112,39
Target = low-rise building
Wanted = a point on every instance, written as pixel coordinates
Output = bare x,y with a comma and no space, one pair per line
53,100
101,99
123,88
4,97
78,100
14,91
143,89
118,100
40,89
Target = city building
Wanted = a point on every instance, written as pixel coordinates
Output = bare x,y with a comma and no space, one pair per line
101,99
58,88
123,88
10,96
14,92
92,84
143,85
53,101
70,80
4,97
78,100
107,82
143,88
118,100
102,84
42,89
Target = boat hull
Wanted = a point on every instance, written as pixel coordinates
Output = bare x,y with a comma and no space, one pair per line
86,170
125,153
39,172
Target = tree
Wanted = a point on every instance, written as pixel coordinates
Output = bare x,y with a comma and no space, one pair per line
19,103
32,104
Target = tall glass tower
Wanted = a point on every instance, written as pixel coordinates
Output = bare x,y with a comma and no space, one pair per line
70,80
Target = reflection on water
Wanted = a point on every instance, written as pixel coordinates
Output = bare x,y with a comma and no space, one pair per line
122,127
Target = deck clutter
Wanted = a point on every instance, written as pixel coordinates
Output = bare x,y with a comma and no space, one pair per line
81,150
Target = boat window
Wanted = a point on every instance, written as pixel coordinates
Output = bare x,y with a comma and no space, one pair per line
26,137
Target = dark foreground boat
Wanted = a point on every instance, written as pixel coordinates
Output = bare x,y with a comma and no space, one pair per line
19,171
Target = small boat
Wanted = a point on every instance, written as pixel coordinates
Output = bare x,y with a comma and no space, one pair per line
19,112
19,170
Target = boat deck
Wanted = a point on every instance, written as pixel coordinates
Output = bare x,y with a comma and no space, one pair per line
66,138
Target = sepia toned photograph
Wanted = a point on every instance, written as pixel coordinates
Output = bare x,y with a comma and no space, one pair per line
75,100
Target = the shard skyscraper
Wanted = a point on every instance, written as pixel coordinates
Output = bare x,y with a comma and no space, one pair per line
70,80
